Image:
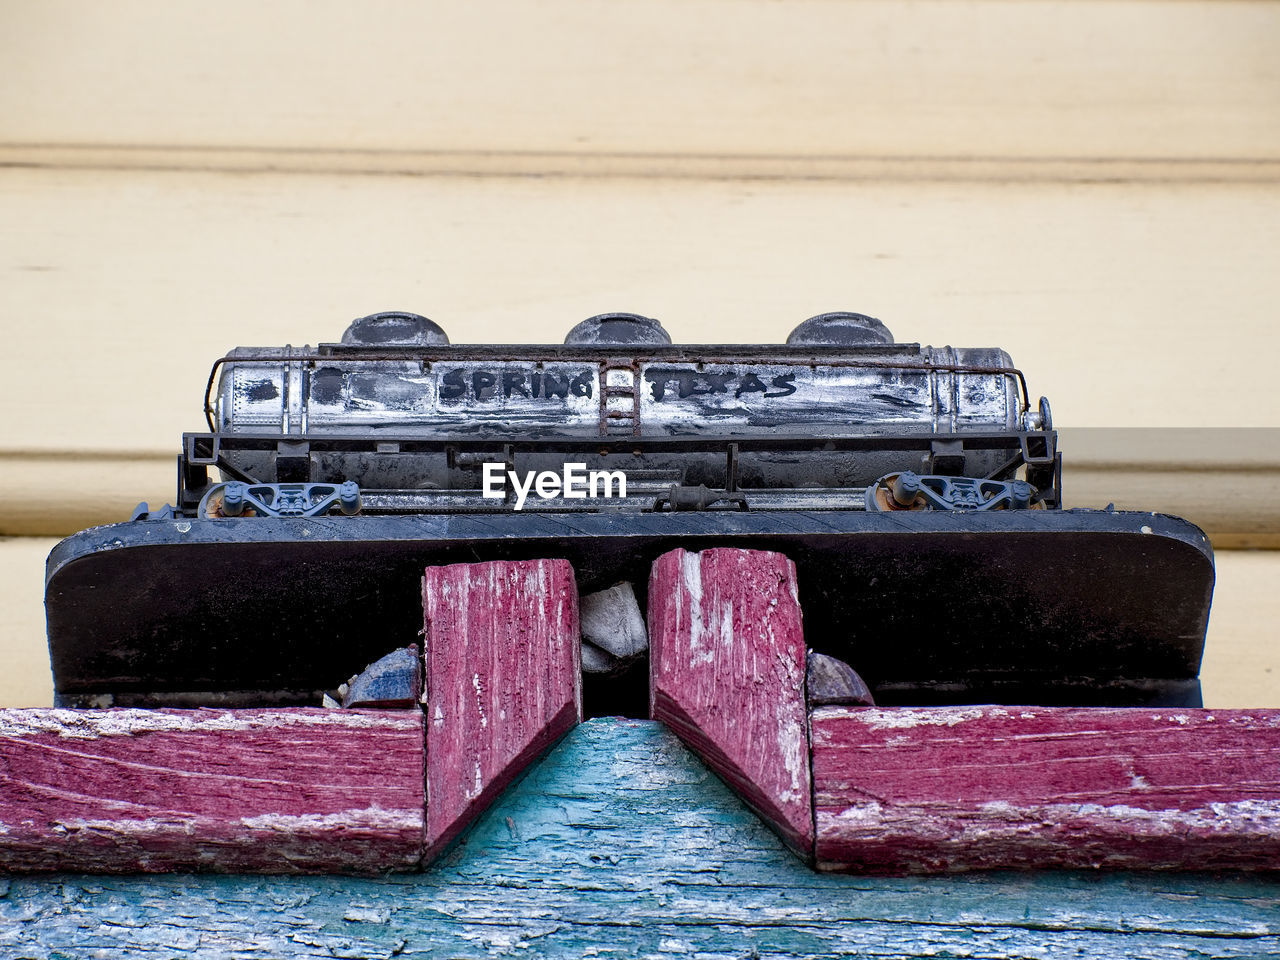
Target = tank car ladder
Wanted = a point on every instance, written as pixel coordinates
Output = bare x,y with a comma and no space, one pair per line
619,397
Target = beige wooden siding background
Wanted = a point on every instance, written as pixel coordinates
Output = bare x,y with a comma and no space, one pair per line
1092,184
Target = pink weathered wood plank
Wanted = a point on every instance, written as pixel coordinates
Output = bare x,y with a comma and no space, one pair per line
727,669
503,680
962,788
258,791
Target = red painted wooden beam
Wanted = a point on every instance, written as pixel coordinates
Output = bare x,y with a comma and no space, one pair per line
502,676
260,791
961,788
727,669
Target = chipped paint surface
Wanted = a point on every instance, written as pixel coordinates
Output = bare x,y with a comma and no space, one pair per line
501,640
963,788
622,844
997,819
255,790
727,669
906,718
363,818
122,722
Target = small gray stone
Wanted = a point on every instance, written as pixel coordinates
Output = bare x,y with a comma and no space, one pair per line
611,620
393,681
830,681
595,660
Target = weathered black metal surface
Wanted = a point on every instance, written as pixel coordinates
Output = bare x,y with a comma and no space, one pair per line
1013,607
819,463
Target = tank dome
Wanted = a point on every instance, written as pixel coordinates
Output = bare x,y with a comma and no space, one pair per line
394,329
623,328
840,328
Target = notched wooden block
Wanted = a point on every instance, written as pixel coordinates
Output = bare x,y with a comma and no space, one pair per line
503,680
232,791
908,790
727,674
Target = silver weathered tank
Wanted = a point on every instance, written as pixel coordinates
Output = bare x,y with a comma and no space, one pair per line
616,376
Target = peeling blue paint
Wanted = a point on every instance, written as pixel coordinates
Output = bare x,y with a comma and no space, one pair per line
621,843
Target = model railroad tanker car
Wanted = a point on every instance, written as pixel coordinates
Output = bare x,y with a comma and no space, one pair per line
918,490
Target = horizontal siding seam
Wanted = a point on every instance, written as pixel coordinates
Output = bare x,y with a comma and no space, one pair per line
677,165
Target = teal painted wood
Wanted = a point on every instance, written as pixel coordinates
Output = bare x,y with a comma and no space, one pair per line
618,844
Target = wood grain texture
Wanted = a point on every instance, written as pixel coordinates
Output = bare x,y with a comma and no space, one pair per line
272,259
503,680
964,788
727,674
269,791
1043,79
621,843
207,247
26,680
569,164
43,494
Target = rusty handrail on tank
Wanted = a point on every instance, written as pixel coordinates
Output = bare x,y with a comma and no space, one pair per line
978,439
